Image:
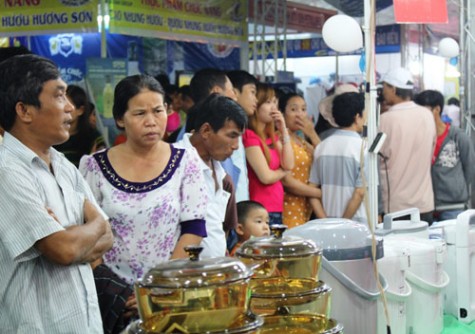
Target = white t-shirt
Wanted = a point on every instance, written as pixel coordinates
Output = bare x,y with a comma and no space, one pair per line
214,245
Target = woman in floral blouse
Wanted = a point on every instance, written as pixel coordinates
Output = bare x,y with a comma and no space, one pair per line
152,192
304,139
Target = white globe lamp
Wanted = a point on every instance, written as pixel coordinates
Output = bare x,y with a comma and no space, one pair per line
449,48
342,33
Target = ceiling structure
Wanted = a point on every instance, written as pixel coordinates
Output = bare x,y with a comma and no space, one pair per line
304,21
385,13
349,7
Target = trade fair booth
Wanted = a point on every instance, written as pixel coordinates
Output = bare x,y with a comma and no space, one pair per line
97,50
303,279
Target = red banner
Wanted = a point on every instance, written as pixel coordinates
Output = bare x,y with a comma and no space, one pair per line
300,17
420,11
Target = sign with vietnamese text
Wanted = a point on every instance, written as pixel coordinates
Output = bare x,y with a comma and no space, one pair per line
299,16
218,21
34,17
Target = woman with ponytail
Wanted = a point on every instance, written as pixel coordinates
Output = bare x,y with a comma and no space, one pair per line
269,154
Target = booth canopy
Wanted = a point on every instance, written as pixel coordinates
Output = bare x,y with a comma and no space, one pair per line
218,21
26,18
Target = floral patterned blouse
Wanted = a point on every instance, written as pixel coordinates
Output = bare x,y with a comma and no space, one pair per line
148,218
297,209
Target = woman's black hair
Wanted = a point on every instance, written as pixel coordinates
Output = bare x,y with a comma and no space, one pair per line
127,88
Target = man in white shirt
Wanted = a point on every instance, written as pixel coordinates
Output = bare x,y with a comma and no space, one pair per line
51,226
407,152
218,122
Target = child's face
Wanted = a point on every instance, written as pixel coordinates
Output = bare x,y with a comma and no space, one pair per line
256,224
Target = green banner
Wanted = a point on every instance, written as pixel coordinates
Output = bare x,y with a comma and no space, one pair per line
217,21
34,17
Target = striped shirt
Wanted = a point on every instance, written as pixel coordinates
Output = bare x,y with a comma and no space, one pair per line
37,295
336,168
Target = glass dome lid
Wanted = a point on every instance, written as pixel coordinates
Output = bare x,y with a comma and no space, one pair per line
193,272
340,239
277,246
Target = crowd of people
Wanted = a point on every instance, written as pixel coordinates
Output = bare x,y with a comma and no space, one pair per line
213,163
425,163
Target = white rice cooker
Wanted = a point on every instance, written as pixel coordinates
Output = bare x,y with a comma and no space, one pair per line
412,265
393,267
427,279
414,227
460,265
347,267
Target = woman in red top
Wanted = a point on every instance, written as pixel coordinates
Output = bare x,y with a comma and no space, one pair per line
269,154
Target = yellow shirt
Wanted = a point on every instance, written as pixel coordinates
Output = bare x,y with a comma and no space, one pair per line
297,209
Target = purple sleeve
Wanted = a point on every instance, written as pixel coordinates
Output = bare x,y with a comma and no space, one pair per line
196,227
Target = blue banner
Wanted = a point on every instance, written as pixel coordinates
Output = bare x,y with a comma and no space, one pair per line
221,56
149,55
70,51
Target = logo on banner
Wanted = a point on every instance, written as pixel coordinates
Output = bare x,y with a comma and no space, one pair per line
65,44
220,50
74,3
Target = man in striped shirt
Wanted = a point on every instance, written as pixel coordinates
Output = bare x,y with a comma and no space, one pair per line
336,167
50,225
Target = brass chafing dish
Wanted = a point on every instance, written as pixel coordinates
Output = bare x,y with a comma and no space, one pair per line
281,256
195,296
277,296
286,279
299,324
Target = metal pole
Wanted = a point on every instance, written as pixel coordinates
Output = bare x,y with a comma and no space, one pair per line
244,55
337,69
467,22
466,75
467,68
244,48
254,45
403,45
276,38
263,41
462,65
370,103
420,55
103,30
284,48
